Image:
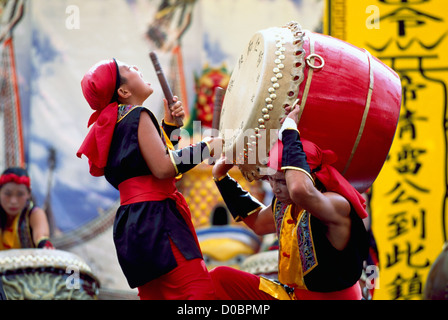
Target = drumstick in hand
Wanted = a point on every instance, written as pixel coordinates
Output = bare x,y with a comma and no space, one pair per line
219,94
217,106
164,84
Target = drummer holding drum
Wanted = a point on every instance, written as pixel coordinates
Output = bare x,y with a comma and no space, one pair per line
317,216
346,104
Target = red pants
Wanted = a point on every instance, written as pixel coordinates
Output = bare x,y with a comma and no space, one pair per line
190,280
232,284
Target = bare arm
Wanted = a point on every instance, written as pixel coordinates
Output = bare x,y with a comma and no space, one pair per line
39,225
329,207
261,222
153,150
165,164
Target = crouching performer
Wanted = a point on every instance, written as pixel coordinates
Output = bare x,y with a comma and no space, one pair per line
317,216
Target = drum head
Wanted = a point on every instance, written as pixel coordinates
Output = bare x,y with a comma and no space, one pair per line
265,80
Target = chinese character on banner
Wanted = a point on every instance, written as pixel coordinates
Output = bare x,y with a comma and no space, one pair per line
408,203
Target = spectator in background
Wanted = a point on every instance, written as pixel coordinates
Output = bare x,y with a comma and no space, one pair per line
22,224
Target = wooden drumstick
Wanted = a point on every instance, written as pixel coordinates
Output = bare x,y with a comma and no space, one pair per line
217,107
164,84
295,104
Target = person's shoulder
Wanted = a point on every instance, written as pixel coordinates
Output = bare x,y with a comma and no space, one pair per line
136,112
146,110
36,213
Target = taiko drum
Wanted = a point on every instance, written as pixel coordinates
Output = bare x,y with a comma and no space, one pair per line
350,101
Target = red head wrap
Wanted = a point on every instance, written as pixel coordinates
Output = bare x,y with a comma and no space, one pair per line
12,177
320,162
99,87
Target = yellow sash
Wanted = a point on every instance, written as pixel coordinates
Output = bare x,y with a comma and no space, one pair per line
9,237
275,290
291,270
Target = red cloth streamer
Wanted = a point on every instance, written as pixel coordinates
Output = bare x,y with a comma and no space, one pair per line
332,180
11,177
99,86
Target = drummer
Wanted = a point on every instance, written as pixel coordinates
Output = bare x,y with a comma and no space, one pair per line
22,224
155,240
317,215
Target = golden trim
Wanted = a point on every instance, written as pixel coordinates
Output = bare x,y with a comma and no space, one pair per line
173,161
127,112
287,246
364,116
309,78
169,123
289,128
312,241
254,211
209,149
40,239
301,170
275,290
221,177
169,144
43,238
239,218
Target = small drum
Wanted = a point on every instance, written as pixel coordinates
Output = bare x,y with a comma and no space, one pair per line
39,274
262,264
436,286
349,100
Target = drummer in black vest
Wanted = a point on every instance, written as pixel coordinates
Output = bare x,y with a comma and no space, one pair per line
317,216
155,240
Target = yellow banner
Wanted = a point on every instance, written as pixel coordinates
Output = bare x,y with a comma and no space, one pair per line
408,204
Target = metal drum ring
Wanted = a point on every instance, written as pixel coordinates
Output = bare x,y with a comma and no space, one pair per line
314,55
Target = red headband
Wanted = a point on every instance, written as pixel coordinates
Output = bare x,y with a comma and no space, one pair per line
11,177
99,86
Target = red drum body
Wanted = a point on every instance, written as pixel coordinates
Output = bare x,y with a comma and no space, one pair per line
352,107
350,101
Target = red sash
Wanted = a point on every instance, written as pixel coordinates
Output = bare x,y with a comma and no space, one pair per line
352,293
149,188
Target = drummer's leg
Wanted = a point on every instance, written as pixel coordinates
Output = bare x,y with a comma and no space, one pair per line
190,280
233,284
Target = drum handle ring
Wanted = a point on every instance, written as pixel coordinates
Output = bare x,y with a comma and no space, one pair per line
314,55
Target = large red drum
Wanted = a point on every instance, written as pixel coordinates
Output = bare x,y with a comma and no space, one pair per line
350,101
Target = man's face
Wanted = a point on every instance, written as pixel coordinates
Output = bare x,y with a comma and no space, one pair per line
279,188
